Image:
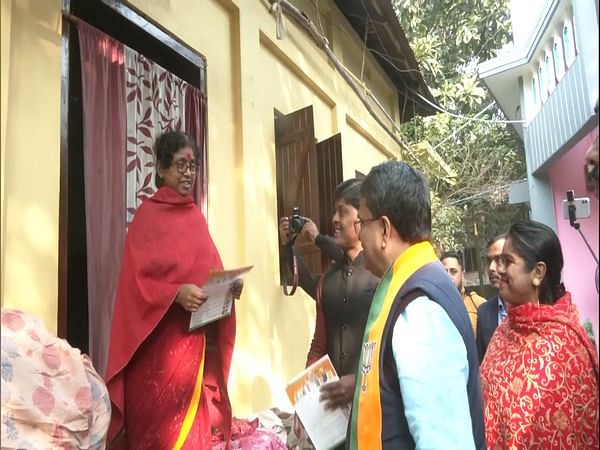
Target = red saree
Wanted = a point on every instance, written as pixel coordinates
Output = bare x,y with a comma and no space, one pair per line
167,386
540,381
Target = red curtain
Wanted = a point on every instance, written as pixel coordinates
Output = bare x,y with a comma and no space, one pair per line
128,100
104,132
195,120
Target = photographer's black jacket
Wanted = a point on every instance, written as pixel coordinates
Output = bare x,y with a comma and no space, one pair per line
347,293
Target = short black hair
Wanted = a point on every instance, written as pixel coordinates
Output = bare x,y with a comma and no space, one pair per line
536,242
454,255
400,192
349,192
495,239
166,145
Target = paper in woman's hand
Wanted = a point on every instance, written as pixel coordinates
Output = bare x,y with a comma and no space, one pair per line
218,288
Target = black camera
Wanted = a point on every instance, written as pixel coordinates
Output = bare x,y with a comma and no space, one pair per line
296,221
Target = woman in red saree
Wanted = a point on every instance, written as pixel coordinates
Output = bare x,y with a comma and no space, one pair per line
168,387
540,372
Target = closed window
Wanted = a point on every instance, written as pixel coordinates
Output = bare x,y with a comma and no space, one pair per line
569,43
542,81
550,75
559,60
535,92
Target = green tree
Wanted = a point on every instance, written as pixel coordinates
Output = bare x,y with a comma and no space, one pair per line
449,38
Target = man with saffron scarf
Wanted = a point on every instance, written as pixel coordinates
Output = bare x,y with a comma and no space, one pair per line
168,386
418,383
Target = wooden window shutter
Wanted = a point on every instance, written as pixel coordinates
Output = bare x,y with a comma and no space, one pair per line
297,181
330,175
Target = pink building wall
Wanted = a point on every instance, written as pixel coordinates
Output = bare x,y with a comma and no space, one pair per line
580,268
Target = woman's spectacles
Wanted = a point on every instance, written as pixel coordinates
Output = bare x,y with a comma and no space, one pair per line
359,223
182,166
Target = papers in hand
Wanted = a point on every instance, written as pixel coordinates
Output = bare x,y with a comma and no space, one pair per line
218,305
326,428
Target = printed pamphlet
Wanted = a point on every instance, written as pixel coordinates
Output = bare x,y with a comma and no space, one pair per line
326,428
218,287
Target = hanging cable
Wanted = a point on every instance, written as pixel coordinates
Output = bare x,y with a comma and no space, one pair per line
455,132
394,132
323,42
577,226
459,116
280,27
316,5
573,222
396,68
346,74
439,108
364,55
483,193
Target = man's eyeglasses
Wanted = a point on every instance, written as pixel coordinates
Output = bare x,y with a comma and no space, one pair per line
182,166
359,223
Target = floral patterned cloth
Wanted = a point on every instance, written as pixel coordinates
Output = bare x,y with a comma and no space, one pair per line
293,441
52,398
540,381
248,435
260,439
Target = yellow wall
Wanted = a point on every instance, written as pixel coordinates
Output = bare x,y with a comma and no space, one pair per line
5,27
30,155
250,73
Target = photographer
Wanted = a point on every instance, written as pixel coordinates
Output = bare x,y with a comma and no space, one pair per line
343,293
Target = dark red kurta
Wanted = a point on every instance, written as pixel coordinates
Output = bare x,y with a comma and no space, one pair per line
153,360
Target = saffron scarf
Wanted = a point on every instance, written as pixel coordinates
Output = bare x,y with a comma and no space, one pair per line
365,425
540,381
167,386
